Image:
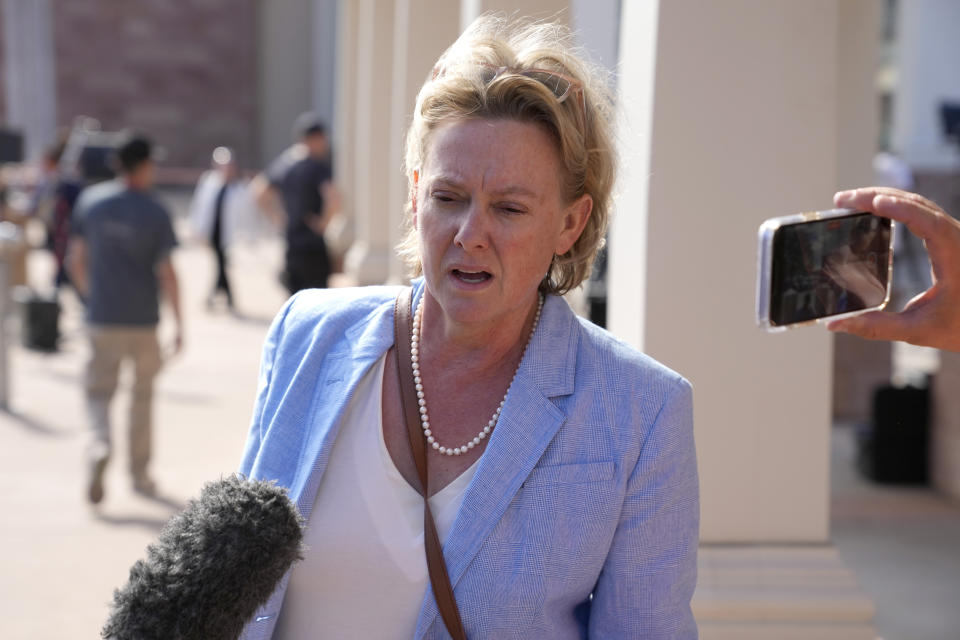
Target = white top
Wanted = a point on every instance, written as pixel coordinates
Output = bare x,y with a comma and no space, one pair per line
365,536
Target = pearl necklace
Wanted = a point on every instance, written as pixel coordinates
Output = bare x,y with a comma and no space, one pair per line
422,400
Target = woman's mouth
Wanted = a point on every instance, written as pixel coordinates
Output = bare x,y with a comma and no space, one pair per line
471,277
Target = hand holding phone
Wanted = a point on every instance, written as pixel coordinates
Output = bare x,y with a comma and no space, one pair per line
932,318
822,264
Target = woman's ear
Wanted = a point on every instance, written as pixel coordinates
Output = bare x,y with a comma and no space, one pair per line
575,218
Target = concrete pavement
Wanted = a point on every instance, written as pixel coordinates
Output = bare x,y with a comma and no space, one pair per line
62,557
903,545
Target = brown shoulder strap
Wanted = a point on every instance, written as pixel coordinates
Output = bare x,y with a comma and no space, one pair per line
436,567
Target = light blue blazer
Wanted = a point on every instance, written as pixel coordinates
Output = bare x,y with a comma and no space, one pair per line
582,517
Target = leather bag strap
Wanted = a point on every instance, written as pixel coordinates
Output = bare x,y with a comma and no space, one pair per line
436,567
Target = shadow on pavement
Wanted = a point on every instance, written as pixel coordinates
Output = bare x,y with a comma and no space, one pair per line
179,396
171,503
250,318
32,424
152,524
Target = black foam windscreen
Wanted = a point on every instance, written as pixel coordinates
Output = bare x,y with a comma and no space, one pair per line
213,565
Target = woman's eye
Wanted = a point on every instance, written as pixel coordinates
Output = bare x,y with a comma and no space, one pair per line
443,197
512,209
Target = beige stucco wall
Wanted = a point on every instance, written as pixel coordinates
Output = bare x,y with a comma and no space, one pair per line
733,118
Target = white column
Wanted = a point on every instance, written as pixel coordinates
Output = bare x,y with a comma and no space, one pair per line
29,72
733,117
285,78
554,10
596,24
368,260
324,59
341,232
423,29
345,107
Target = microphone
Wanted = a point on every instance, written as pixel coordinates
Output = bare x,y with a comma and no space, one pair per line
213,565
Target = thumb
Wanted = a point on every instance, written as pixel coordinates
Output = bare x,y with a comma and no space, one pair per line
875,325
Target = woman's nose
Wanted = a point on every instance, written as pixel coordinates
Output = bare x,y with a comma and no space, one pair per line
472,232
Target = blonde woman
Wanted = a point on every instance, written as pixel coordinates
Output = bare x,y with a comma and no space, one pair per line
559,461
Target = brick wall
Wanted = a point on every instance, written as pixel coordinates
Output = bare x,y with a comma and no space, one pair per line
184,71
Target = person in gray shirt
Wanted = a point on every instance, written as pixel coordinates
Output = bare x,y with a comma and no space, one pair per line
120,247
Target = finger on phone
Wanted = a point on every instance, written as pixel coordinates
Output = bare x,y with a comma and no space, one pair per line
863,197
875,325
853,199
921,220
921,216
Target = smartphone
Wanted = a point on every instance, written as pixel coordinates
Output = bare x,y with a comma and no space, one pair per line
822,265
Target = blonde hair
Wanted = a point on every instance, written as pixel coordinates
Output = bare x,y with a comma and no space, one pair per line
461,88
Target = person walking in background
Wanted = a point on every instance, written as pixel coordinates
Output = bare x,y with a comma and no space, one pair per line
53,201
221,204
297,191
120,262
65,198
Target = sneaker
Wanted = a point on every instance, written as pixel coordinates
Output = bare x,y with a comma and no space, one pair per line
144,485
95,486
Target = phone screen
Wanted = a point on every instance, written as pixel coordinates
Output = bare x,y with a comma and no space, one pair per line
828,267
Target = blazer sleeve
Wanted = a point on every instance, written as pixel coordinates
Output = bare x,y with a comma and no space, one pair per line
650,573
264,379
260,627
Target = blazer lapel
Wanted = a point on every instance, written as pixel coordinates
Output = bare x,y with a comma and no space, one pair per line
364,343
527,425
350,359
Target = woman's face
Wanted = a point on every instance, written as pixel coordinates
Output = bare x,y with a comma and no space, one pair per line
490,215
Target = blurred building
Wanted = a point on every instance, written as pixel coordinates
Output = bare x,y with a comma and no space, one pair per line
917,79
193,74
